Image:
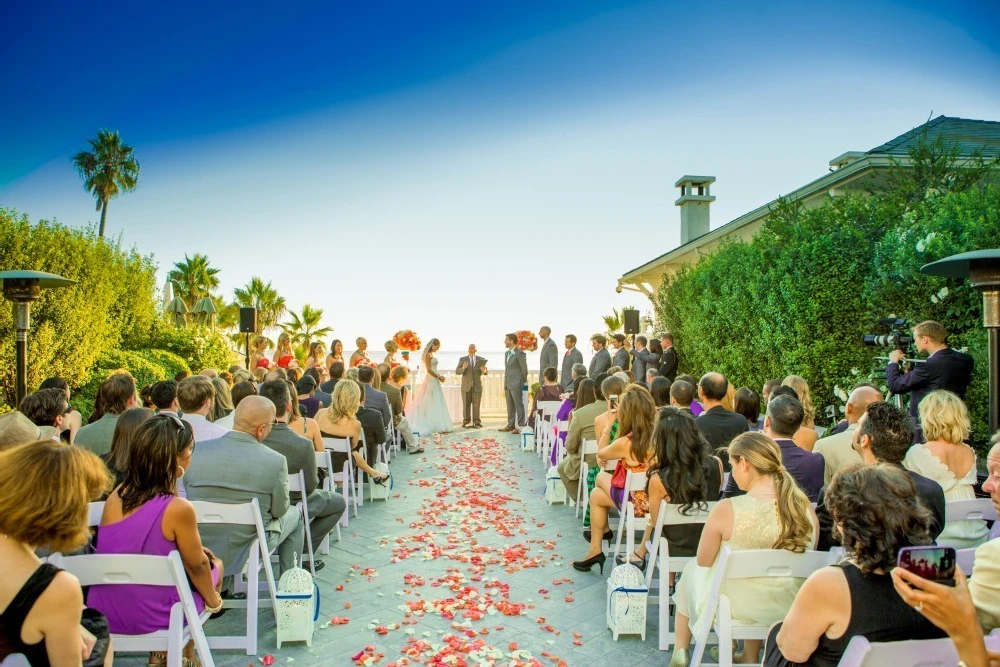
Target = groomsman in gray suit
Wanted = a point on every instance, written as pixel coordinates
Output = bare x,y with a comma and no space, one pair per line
621,358
601,361
515,375
472,368
549,357
572,356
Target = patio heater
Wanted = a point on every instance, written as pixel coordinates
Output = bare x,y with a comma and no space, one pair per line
21,288
982,268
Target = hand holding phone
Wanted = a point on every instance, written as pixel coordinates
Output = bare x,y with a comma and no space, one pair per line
932,563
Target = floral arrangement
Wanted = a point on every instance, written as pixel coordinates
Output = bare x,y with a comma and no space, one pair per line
407,340
527,341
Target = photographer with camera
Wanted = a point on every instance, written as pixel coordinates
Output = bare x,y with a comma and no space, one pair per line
945,368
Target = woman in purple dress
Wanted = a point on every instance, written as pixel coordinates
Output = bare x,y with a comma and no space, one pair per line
144,515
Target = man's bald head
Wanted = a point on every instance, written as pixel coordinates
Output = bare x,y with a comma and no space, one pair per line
254,415
859,400
713,386
209,373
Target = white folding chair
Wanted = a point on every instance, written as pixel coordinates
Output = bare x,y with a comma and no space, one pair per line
659,558
343,446
558,441
15,660
923,652
297,484
325,461
587,447
545,421
140,570
96,511
245,514
630,523
970,510
965,560
754,564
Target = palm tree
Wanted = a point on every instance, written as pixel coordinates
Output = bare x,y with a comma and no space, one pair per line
303,328
269,304
193,279
107,170
614,322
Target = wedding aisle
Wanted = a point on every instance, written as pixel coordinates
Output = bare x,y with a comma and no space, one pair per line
465,565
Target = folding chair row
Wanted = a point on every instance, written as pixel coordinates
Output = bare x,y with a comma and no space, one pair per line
587,447
346,478
924,652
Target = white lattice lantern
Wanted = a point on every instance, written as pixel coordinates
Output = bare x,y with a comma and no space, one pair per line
298,606
626,605
555,491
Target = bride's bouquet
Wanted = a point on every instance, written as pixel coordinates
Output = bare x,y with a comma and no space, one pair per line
407,340
527,341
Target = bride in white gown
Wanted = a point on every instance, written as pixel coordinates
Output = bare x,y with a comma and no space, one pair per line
429,412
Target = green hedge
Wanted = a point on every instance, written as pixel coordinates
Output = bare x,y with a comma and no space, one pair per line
146,366
799,296
199,347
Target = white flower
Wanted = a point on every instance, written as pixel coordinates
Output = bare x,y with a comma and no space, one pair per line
840,393
942,293
920,246
963,350
934,299
855,371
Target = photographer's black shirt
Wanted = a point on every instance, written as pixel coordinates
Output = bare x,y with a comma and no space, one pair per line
945,369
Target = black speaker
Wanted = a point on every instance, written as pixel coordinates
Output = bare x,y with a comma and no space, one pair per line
248,320
631,320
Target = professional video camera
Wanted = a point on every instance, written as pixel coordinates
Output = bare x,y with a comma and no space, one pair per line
898,337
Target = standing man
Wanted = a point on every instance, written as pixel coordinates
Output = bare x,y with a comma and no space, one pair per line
515,375
621,353
601,361
573,356
472,368
549,357
669,360
641,358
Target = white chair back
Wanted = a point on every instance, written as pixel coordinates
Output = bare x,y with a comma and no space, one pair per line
629,523
96,511
343,446
297,484
970,510
923,653
965,560
587,447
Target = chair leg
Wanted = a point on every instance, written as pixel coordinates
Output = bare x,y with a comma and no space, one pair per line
175,636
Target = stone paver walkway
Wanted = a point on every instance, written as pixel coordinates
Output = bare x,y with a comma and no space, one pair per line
466,539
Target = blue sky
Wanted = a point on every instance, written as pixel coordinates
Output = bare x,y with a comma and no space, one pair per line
462,168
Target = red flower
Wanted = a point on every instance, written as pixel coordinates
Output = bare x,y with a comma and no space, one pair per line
407,340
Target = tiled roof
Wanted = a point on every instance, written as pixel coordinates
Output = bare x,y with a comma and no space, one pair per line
971,135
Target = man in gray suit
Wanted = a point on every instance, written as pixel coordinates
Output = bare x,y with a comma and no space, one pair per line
621,358
236,468
515,375
325,507
573,356
119,395
374,398
472,368
641,358
602,359
549,357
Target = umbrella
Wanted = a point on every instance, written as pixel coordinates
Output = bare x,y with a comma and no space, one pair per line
179,309
168,293
206,310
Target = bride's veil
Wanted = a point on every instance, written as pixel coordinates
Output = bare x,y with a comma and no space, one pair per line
422,372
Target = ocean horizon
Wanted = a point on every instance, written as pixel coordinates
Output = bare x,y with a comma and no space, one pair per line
448,359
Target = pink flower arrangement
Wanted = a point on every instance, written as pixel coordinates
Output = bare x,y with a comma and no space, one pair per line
527,341
407,340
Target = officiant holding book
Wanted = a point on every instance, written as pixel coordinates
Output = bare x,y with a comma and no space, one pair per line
471,368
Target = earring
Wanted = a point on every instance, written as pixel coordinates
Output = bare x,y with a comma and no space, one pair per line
180,471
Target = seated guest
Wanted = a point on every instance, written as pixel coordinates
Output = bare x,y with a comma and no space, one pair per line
294,374
343,419
681,396
394,394
237,468
985,585
304,426
784,415
875,510
772,513
47,407
222,406
336,374
606,386
319,374
117,394
44,489
16,429
765,395
121,444
686,474
581,427
633,449
549,391
305,388
240,391
746,402
838,449
145,398
180,375
729,400
259,375
946,459
374,398
74,420
716,423
806,436
696,407
397,378
276,374
209,373
228,377
325,507
884,434
576,372
659,389
164,395
650,374
196,396
145,516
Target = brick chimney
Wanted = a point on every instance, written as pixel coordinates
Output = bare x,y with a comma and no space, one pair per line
694,202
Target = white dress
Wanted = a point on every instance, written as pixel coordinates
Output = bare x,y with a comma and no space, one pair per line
964,534
428,412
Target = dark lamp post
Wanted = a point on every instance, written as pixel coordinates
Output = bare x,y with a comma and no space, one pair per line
23,287
982,268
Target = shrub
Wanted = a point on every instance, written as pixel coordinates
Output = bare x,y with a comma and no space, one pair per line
198,347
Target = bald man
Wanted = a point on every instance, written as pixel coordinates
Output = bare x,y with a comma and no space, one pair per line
836,449
236,468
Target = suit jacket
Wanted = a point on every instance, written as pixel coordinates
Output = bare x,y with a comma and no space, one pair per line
600,363
581,427
837,451
377,400
374,428
945,369
641,360
621,358
298,452
985,585
97,437
549,357
669,363
472,377
323,397
571,357
515,369
720,426
806,468
234,469
395,397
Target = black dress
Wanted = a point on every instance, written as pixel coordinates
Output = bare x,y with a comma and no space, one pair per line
877,613
684,538
12,618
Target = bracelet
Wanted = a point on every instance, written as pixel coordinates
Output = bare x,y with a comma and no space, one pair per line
216,609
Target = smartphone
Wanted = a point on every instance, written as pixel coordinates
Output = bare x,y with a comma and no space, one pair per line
613,401
935,564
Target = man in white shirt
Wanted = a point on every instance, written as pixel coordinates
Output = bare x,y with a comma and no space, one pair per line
195,395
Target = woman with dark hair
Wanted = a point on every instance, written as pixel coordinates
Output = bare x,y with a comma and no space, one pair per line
746,402
581,427
876,512
121,443
550,390
336,353
305,426
145,516
686,474
47,407
660,390
73,420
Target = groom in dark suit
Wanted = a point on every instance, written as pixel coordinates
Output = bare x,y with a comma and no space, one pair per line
515,375
471,368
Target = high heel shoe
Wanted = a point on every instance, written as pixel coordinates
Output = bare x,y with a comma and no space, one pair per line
608,535
587,565
680,658
641,563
